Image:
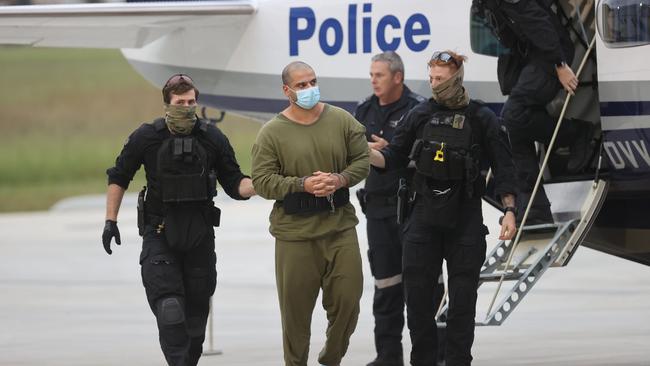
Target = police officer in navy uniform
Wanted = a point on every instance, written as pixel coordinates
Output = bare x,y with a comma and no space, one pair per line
183,158
381,113
532,73
450,138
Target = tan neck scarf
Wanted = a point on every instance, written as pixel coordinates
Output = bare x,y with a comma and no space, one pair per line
180,119
451,93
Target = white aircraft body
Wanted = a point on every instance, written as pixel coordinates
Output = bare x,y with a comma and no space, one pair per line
235,51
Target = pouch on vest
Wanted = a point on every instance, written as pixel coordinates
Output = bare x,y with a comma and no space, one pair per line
445,141
440,204
182,170
187,225
438,161
184,178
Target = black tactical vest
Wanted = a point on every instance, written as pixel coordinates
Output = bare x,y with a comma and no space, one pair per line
186,185
182,170
446,151
446,156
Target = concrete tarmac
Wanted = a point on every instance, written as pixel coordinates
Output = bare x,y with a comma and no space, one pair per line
63,301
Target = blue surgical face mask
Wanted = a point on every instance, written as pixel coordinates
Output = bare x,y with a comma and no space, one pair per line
308,98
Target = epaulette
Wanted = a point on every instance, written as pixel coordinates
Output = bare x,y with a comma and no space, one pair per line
159,124
473,107
203,125
364,100
417,97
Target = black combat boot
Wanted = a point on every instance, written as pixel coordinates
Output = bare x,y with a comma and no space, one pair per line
387,361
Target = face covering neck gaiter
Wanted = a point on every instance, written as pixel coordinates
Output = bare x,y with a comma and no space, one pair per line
451,93
180,119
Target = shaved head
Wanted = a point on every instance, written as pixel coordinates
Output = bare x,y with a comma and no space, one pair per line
296,65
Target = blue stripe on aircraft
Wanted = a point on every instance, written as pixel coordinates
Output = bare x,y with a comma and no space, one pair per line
261,105
629,108
264,105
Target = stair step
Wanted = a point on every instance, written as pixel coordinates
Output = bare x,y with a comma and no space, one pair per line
541,228
496,276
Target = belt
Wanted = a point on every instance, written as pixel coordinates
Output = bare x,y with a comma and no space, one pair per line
381,199
154,220
307,203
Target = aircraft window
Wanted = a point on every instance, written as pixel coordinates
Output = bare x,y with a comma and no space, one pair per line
624,23
482,39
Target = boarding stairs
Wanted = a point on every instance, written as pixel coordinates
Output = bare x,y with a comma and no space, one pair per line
575,206
517,265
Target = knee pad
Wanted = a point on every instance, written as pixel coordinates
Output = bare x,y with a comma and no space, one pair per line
170,311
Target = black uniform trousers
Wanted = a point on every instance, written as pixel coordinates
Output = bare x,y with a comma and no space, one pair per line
174,278
527,120
425,246
385,258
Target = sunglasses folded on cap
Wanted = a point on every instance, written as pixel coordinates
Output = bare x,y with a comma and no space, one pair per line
442,57
179,78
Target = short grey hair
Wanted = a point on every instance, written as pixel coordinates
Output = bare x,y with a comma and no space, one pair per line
393,60
296,65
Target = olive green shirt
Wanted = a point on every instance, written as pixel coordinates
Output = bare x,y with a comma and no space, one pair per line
285,151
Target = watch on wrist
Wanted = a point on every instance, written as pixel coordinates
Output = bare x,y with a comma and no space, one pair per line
301,183
560,64
510,209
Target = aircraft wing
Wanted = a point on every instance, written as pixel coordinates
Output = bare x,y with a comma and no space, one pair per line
109,25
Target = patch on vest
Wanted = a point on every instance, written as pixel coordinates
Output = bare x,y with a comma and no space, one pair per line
456,121
394,123
459,121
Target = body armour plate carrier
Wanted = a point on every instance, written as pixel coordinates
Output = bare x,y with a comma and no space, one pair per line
446,154
446,160
183,170
186,185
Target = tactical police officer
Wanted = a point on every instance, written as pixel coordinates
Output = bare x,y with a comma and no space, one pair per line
183,158
532,73
381,113
449,138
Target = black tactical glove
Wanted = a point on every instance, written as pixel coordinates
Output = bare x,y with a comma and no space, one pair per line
110,231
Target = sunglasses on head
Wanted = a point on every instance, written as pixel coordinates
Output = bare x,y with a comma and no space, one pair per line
177,79
442,57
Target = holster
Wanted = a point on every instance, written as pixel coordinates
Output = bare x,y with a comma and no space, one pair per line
141,211
212,184
215,215
307,203
361,196
403,197
416,150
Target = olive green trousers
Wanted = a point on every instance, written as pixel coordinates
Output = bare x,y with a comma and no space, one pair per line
302,268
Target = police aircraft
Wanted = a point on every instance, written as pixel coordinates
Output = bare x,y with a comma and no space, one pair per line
235,50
